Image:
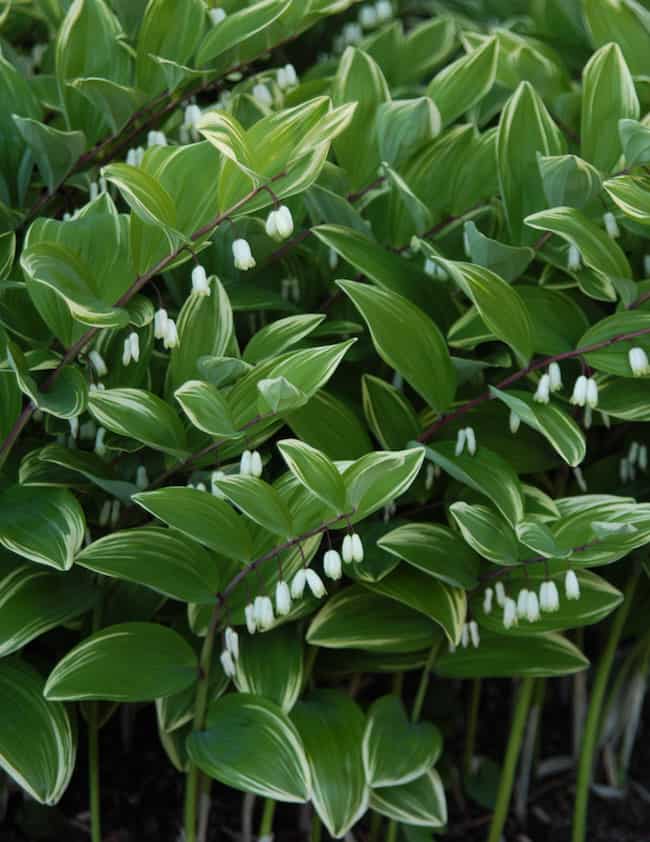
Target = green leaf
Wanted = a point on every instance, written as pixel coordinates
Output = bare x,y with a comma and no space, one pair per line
140,415
378,478
538,537
508,262
568,180
443,604
309,370
271,665
90,466
635,140
34,600
626,22
614,358
356,618
435,550
464,82
630,193
238,26
55,151
158,558
206,408
259,501
66,399
277,395
525,129
598,251
46,525
486,534
205,328
250,744
143,194
597,600
163,32
359,80
509,656
202,517
130,662
499,304
316,472
608,95
7,253
331,726
396,751
389,271
486,473
388,412
56,267
408,340
420,803
557,427
38,740
403,126
331,425
117,103
279,336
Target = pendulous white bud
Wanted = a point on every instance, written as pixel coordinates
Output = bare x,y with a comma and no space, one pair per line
487,600
243,257
279,223
357,548
639,363
611,225
315,583
332,565
474,634
348,555
251,621
287,77
509,613
256,467
574,259
571,585
282,599
141,478
262,94
160,323
384,10
470,440
245,463
228,663
532,607
200,285
298,584
592,393
522,603
579,396
514,421
98,363
500,594
543,392
555,377
216,16
232,642
170,339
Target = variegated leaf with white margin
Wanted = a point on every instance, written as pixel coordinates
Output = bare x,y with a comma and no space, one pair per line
37,739
421,803
396,751
271,665
557,427
46,525
331,725
250,744
379,478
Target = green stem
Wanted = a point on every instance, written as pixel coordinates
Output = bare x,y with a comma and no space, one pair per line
375,827
266,825
472,722
510,763
391,833
424,681
93,740
93,766
592,725
193,778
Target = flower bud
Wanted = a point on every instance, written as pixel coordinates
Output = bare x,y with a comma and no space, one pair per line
315,583
555,377
487,600
282,599
251,621
216,16
232,642
500,593
141,478
514,421
611,225
263,95
256,466
171,334
592,393
543,392
579,396
298,584
332,565
200,285
97,362
574,259
571,585
522,603
347,552
227,663
470,438
242,255
474,634
509,613
532,607
357,548
639,363
245,463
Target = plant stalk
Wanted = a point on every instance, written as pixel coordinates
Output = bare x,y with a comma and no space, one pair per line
472,722
517,728
266,825
592,725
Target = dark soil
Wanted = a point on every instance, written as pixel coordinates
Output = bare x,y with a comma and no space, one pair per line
142,793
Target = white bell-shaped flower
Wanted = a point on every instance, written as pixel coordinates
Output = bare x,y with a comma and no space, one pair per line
592,393
555,377
543,392
215,476
141,478
315,583
256,467
264,612
160,323
298,584
574,259
282,598
332,565
192,116
348,554
279,223
216,16
243,257
384,9
611,225
500,594
251,620
514,422
579,396
262,94
98,363
461,437
571,585
487,600
522,603
134,343
474,634
357,548
368,18
464,636
228,664
246,463
232,642
509,613
170,340
200,285
532,607
639,363
470,439
126,352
